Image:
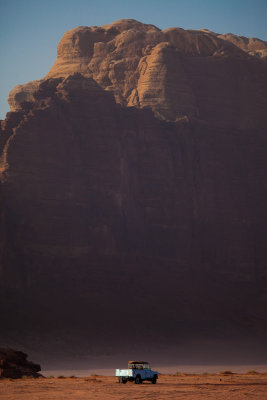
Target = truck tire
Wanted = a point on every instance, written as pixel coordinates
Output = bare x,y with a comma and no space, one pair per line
138,380
124,380
154,379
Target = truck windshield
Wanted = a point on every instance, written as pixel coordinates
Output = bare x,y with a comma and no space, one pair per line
138,366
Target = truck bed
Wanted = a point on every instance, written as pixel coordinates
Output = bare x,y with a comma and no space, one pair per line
124,372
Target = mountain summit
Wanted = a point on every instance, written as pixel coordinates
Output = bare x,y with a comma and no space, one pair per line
133,190
143,66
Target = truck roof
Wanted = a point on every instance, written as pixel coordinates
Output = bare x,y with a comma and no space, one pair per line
138,362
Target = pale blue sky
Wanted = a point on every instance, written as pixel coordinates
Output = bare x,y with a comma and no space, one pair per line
31,29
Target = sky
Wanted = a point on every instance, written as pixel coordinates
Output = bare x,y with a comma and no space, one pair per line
31,29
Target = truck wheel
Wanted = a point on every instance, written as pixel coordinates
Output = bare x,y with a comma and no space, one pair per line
154,379
124,381
138,380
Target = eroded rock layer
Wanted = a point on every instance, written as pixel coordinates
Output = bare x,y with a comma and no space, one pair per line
133,183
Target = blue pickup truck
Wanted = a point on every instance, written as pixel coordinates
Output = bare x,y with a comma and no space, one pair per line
138,371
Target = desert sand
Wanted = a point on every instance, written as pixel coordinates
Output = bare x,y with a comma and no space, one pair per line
204,386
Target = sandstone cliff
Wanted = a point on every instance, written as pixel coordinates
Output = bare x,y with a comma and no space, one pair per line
135,171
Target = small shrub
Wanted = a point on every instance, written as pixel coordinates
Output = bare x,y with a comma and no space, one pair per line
252,372
50,377
72,377
227,372
61,377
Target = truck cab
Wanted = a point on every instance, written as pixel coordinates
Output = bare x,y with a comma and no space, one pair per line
138,371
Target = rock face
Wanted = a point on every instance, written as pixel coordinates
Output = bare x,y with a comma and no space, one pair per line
133,183
14,364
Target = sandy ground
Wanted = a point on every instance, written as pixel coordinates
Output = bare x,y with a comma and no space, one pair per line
204,387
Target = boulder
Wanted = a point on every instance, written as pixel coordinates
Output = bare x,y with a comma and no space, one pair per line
14,364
